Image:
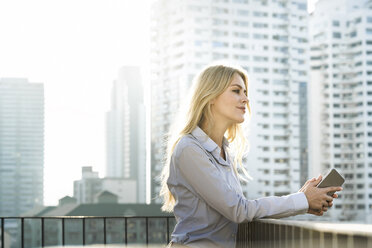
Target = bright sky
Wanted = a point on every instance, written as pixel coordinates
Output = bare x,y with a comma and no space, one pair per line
74,47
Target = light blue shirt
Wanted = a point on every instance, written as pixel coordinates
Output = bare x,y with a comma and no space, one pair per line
209,197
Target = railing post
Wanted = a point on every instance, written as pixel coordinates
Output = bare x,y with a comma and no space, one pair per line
256,234
2,233
83,231
104,230
63,231
293,236
42,232
271,229
147,231
168,230
22,232
126,231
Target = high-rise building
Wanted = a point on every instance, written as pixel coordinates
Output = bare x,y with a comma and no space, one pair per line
269,39
340,101
21,145
126,150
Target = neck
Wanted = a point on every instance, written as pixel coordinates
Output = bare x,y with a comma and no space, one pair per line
216,133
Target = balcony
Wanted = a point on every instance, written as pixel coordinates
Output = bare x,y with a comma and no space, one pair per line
303,234
155,232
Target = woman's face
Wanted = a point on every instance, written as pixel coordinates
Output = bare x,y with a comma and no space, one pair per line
231,105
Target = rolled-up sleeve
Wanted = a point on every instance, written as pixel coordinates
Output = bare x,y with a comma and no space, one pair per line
201,174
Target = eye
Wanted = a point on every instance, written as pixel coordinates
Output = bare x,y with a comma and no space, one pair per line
236,91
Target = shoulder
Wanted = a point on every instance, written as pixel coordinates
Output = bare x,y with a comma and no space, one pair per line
188,144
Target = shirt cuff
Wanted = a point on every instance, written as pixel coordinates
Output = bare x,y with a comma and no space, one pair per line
300,202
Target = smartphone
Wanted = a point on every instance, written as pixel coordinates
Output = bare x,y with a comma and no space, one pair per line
333,178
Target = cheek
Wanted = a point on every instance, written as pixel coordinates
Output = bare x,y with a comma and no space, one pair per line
227,104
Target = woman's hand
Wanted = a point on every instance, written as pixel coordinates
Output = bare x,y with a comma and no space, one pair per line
318,200
325,209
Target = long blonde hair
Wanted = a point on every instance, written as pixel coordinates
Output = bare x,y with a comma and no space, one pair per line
209,84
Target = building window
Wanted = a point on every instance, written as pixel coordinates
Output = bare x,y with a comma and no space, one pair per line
260,36
239,45
241,23
220,22
220,44
260,25
259,14
220,11
280,38
302,6
243,12
360,186
241,34
240,1
260,59
337,35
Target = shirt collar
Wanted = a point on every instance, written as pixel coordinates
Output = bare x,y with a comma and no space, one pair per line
207,142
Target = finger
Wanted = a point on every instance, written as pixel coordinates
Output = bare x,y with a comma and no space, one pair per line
318,213
331,189
314,212
324,203
308,181
335,195
328,198
317,180
330,204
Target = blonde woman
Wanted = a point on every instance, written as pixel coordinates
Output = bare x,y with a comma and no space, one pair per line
200,180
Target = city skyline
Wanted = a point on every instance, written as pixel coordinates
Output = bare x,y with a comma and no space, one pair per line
40,44
77,58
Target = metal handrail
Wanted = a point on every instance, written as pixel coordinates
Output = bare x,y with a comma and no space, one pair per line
83,218
260,233
293,234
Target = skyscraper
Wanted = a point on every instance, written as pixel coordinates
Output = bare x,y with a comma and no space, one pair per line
269,39
21,145
126,150
341,101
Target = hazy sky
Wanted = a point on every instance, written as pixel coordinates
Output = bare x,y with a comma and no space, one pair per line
74,47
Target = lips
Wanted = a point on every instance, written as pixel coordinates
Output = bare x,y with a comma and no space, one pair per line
242,108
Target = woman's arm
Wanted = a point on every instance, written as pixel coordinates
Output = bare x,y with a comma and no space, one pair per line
205,179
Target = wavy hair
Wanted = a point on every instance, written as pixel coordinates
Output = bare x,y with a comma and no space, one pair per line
211,82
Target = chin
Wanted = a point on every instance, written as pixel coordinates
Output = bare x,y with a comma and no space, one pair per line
240,120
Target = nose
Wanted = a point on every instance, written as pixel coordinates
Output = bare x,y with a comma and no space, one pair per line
245,99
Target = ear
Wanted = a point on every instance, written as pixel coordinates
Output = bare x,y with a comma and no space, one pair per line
212,101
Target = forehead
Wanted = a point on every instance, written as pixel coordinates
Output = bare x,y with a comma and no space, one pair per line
237,80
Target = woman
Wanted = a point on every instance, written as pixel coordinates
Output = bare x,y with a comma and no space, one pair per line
200,181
